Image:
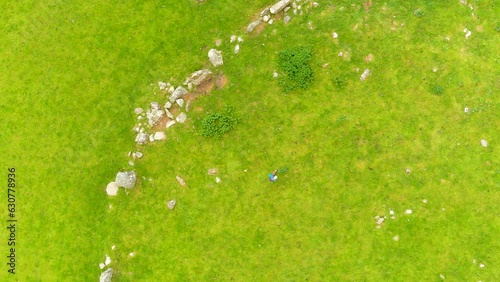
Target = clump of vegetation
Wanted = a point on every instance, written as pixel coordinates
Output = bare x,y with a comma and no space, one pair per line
283,170
340,82
437,89
216,124
294,63
419,13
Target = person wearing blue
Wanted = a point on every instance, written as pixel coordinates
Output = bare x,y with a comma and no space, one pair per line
273,177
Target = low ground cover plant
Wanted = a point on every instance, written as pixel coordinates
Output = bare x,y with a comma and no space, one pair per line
216,124
294,63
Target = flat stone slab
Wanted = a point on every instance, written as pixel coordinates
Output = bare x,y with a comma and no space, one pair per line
181,181
179,92
181,118
160,135
276,8
171,204
215,58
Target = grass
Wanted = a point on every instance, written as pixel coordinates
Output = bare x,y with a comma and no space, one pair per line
72,73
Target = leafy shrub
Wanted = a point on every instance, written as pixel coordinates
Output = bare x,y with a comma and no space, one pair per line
437,89
216,124
294,63
419,13
340,82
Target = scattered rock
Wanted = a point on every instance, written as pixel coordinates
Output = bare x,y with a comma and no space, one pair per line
233,38
113,247
217,180
126,179
198,77
424,201
107,261
188,105
325,65
102,265
179,92
181,181
271,21
180,102
395,238
170,123
138,111
408,211
380,220
171,204
341,54
369,58
335,35
364,75
106,275
240,39
265,18
253,25
466,110
481,265
275,74
169,114
160,135
171,89
141,138
212,171
131,254
154,116
315,4
468,34
151,138
408,170
276,8
441,276
391,211
112,189
287,19
131,163
237,49
181,118
162,85
484,143
215,58
286,9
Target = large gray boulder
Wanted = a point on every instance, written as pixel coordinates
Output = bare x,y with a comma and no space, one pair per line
126,179
198,77
215,57
276,8
179,92
106,275
253,25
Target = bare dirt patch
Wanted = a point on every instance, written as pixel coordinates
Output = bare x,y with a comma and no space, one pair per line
221,81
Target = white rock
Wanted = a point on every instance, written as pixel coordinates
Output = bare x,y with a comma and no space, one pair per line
364,75
138,111
424,201
171,89
131,254
167,105
171,204
233,38
160,135
180,102
162,85
315,4
107,261
276,8
271,21
237,49
217,180
113,247
468,34
131,163
112,189
215,58
341,54
265,18
169,114
102,265
170,123
484,143
335,35
441,276
380,220
481,265
408,211
181,118
240,39
151,138
391,211
275,74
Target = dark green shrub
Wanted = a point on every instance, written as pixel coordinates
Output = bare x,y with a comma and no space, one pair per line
437,89
216,124
294,63
340,82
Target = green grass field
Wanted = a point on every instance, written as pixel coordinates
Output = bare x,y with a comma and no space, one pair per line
72,72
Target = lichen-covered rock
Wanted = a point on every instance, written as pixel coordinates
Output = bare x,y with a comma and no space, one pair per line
179,92
253,25
126,179
276,8
215,58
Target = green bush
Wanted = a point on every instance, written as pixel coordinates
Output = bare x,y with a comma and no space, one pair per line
294,63
216,124
419,13
437,89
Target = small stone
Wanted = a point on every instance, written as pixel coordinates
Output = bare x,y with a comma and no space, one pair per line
325,65
188,105
286,9
170,123
169,114
425,201
408,170
181,181
233,38
138,111
271,21
181,118
466,110
276,8
190,86
391,211
171,204
294,11
131,163
131,254
380,220
481,265
315,4
171,89
107,261
253,25
217,180
160,135
484,143
310,24
162,85
151,138
335,35
138,155
275,74
435,69
215,58
341,54
180,91
237,49
113,247
468,34
447,38
102,265
240,39
364,75
264,12
155,105
212,171
287,19
395,238
180,102
441,276
408,211
168,105
265,18
126,179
